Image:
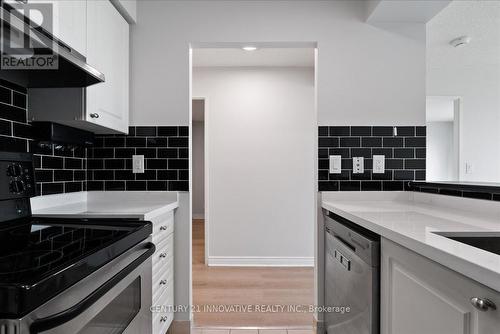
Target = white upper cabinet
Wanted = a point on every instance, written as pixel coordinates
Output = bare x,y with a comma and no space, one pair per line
108,51
67,23
70,17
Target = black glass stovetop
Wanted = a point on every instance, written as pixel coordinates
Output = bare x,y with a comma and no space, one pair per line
40,257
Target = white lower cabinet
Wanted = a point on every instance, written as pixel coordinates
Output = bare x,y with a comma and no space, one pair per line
420,296
163,271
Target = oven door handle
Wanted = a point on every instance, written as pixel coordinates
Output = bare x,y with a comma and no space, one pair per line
44,324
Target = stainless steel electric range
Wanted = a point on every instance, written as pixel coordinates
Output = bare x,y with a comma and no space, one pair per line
68,275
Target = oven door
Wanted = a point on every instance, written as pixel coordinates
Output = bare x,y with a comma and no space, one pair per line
119,305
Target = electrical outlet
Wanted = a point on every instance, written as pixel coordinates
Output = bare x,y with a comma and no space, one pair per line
137,164
378,164
358,165
335,164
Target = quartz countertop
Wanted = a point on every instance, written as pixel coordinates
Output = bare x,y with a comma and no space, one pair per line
410,219
100,204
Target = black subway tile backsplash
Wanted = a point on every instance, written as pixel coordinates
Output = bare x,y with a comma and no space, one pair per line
350,185
361,130
336,131
168,131
136,185
415,142
468,190
403,148
106,166
405,131
19,99
371,186
13,113
404,153
5,128
58,169
421,131
382,131
52,188
5,95
166,158
145,131
323,131
371,142
392,142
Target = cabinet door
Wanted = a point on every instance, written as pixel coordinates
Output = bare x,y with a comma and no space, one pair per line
422,296
69,20
108,51
70,23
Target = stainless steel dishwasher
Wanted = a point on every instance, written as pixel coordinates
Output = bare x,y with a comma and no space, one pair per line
352,277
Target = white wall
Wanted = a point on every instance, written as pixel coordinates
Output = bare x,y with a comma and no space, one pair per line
261,126
440,148
366,74
198,170
471,72
479,90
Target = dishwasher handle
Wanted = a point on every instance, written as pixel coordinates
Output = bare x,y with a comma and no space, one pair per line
342,241
366,246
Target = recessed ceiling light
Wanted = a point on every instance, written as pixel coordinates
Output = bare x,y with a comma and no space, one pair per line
460,41
249,48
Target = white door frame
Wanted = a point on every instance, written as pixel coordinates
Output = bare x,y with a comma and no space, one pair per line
205,171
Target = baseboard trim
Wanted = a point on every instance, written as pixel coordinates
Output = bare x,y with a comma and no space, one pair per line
198,216
251,261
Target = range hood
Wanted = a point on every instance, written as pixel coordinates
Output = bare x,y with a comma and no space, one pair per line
70,70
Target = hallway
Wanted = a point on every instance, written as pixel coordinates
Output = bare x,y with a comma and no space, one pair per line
248,286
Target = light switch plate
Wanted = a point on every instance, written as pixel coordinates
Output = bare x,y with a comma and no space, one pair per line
358,165
468,168
335,164
378,164
138,164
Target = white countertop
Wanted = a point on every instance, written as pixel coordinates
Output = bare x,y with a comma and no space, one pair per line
110,204
409,219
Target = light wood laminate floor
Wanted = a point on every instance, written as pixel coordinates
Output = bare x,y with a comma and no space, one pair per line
248,286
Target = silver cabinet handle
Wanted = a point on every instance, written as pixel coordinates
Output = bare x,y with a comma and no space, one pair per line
94,115
482,304
163,255
163,228
163,282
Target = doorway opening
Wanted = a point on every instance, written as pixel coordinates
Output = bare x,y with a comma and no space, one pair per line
254,133
443,138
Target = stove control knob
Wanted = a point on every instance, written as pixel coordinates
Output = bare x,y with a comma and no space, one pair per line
14,170
16,187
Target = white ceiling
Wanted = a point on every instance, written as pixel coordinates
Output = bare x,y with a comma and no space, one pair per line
479,20
403,11
292,57
439,109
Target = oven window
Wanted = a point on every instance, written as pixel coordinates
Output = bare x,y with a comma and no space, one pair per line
118,314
